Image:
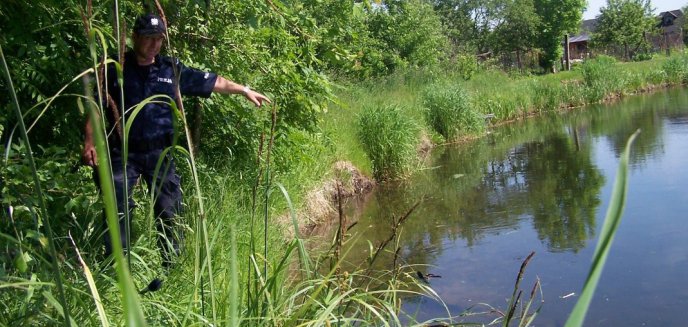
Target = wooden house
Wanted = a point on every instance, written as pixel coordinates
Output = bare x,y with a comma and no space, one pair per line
579,44
670,34
670,25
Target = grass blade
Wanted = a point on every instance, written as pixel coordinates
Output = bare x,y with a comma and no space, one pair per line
92,286
234,319
305,260
130,299
38,190
611,224
56,305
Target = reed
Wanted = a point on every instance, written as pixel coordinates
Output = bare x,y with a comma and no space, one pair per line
546,96
676,69
389,140
601,78
449,111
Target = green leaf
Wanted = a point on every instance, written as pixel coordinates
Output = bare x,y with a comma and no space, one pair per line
21,261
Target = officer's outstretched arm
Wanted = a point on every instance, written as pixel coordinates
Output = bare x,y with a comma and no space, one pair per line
225,86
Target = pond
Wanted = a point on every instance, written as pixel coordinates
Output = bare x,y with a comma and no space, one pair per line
543,185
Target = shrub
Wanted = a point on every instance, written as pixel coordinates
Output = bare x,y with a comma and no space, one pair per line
466,65
601,78
657,77
676,69
449,111
388,139
644,56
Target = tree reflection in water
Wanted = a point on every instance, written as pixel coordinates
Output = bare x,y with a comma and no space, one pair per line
539,171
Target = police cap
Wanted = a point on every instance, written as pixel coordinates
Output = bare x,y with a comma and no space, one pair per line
149,24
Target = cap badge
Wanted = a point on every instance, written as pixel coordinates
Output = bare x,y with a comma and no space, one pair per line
154,21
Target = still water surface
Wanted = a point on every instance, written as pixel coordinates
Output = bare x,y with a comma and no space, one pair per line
543,185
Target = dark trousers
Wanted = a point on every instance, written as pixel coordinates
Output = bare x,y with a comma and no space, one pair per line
166,194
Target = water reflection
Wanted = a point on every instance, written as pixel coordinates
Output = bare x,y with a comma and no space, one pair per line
492,185
540,185
542,170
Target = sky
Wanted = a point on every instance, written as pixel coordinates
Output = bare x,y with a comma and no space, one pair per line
659,6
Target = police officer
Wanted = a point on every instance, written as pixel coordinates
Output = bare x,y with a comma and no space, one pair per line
147,73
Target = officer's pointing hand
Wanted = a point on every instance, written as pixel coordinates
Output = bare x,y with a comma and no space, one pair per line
256,97
225,86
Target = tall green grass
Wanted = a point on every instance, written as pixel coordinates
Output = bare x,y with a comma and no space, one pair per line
39,194
209,285
676,69
493,93
449,111
601,78
389,139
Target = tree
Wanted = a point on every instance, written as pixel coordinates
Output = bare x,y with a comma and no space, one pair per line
402,34
469,23
517,31
556,19
624,23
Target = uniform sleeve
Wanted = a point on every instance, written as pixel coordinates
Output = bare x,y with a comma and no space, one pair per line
194,82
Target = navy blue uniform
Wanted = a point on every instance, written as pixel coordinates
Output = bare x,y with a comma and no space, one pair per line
151,132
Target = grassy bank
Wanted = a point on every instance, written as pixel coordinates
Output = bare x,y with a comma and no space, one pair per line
444,106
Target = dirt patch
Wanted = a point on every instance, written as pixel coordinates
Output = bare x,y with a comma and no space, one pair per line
424,146
320,204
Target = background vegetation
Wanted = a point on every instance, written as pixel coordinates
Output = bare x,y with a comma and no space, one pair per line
334,70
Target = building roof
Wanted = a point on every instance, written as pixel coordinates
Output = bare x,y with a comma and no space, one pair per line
674,27
589,26
676,13
579,38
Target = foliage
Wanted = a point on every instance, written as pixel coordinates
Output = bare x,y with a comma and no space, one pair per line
504,26
469,23
403,34
465,65
449,111
601,77
556,19
45,48
684,9
517,31
676,69
69,191
274,53
340,30
389,139
624,23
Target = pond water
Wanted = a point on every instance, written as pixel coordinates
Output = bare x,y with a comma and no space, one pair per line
543,185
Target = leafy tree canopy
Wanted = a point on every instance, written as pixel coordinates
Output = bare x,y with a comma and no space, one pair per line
624,23
518,28
556,19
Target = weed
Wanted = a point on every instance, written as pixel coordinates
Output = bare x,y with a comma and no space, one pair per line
389,139
449,111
